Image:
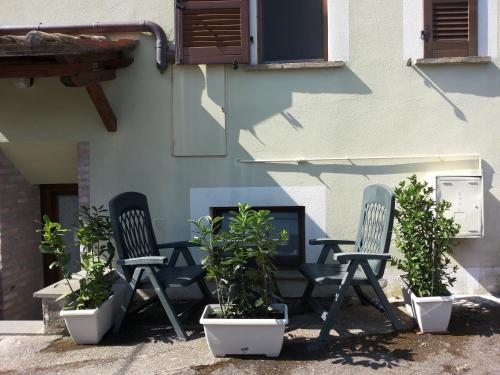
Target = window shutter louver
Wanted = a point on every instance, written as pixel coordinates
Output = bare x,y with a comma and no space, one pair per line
450,28
212,32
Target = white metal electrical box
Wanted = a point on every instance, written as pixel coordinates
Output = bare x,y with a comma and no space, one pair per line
466,197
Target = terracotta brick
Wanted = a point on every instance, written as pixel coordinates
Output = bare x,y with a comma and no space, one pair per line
84,173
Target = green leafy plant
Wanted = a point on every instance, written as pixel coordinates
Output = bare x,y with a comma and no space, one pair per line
94,234
239,260
53,243
425,237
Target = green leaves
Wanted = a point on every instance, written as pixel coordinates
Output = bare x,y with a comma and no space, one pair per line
95,235
425,236
239,259
52,238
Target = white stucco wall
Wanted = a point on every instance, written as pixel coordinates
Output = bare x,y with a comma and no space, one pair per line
374,106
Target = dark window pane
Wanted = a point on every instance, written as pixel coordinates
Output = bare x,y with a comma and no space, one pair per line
292,30
282,220
290,218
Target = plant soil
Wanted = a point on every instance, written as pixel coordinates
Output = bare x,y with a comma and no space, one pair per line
273,314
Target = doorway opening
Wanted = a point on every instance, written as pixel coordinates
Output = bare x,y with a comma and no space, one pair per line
60,203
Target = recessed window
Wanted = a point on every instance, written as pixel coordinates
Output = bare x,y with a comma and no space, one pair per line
260,31
292,30
290,218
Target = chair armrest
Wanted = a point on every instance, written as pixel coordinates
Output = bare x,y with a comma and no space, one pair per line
329,245
180,247
143,261
346,257
178,244
330,241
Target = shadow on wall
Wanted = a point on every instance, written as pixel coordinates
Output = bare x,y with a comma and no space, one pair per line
198,111
477,257
480,80
312,81
471,260
275,95
484,81
350,167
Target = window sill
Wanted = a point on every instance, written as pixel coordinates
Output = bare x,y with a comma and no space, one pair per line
469,60
297,65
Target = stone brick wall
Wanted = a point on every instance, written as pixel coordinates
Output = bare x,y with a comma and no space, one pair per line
84,173
21,267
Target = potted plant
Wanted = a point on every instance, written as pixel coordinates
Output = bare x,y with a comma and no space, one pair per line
425,237
239,260
89,313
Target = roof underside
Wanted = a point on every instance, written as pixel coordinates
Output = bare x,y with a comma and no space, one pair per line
79,61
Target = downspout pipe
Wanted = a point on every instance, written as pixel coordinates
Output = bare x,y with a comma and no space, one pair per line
103,28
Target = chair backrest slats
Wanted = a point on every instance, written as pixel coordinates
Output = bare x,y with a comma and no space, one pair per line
132,228
375,224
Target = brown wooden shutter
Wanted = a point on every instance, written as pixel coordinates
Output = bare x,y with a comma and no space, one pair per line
450,28
212,32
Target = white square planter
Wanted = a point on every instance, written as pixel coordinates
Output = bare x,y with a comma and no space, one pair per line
244,336
89,326
432,313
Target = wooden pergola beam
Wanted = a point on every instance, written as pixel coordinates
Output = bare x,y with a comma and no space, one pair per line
101,103
78,62
59,69
85,79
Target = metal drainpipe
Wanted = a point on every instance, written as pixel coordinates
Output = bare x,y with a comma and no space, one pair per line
104,28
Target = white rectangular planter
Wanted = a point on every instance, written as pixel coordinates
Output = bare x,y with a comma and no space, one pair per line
89,326
432,313
244,336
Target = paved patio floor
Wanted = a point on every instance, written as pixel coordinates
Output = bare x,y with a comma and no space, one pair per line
363,343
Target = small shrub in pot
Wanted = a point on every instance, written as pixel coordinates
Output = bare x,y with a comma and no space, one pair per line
425,237
240,261
88,314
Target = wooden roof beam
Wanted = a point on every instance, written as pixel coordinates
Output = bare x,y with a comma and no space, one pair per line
101,103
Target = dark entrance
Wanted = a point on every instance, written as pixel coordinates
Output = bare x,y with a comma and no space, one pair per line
60,203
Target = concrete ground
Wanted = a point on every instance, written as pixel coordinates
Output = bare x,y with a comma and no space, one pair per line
362,343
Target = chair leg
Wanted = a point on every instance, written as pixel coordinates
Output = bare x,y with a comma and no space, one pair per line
339,297
143,305
367,300
207,296
363,298
136,278
306,297
206,299
381,296
167,306
278,298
